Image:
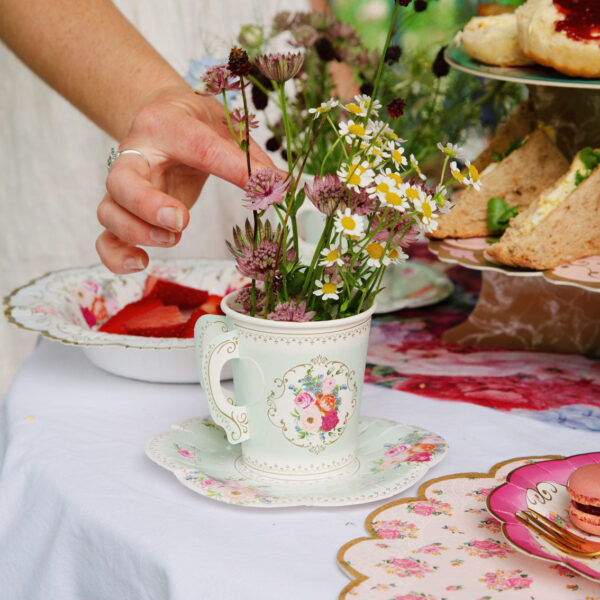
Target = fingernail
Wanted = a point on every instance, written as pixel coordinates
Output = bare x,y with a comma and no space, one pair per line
171,217
133,264
161,236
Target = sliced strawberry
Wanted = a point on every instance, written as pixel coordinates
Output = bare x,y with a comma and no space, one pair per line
133,309
162,321
213,305
188,330
173,293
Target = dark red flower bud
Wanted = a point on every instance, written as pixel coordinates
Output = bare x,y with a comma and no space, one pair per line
395,108
440,67
325,50
273,144
393,54
238,62
420,5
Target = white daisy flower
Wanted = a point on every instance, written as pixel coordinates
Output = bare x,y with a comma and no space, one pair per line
358,109
324,108
426,215
397,255
414,163
471,179
331,256
388,193
351,131
414,194
451,150
348,224
397,154
357,174
327,289
474,176
364,100
375,154
377,256
396,177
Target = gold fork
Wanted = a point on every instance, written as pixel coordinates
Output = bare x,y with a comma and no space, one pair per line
558,537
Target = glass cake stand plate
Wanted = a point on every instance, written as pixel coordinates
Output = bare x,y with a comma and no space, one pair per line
390,458
457,57
542,487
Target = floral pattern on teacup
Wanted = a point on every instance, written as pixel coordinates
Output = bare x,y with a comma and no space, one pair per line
315,404
90,299
415,447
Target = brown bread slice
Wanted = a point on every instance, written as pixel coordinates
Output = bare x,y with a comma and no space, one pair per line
518,126
570,231
518,179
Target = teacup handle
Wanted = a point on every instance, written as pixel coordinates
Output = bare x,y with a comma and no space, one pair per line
213,349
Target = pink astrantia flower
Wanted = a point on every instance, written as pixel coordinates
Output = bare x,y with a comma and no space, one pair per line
329,194
280,67
265,187
290,311
330,420
219,79
238,121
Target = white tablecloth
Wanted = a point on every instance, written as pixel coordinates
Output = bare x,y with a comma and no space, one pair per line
85,515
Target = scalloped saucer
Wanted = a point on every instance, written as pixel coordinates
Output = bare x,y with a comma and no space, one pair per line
390,458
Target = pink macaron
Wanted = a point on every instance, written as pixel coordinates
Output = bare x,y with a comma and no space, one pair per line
584,489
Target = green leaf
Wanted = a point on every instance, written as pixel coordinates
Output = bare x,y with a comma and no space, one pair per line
499,214
590,158
497,157
579,178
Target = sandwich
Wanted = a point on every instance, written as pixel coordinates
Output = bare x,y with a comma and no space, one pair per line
519,177
563,224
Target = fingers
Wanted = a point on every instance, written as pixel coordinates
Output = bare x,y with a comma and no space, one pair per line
132,191
194,143
119,256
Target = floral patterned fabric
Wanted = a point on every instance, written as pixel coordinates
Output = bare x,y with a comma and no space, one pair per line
406,353
444,545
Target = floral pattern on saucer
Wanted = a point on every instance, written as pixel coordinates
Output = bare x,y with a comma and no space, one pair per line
444,544
198,454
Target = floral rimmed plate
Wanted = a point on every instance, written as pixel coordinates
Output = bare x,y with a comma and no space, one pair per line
471,252
443,544
542,487
68,306
391,457
456,56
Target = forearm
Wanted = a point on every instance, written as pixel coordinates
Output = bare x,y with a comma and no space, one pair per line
90,54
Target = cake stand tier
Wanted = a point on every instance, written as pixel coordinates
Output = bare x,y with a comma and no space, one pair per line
555,311
569,105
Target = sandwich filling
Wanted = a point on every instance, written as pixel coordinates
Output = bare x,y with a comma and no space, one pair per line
581,168
587,508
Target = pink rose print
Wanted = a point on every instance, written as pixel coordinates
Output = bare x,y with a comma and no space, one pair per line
330,420
327,384
310,419
392,530
412,596
512,580
426,508
185,453
420,457
436,549
211,483
487,548
406,567
563,571
396,450
303,400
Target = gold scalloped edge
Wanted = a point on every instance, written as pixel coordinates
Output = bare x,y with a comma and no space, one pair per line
356,576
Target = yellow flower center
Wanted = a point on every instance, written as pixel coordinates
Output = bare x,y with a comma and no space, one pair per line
356,129
473,172
375,250
458,175
329,288
353,178
411,193
394,254
393,199
383,187
348,223
396,178
426,210
333,255
354,108
397,156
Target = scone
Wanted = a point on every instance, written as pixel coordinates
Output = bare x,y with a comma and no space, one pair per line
493,40
519,179
561,34
562,225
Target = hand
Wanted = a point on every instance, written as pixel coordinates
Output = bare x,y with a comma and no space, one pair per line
184,138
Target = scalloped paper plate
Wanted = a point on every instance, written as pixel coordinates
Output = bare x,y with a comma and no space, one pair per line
542,487
68,305
390,458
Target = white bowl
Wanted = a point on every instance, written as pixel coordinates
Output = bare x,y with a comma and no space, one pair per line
64,305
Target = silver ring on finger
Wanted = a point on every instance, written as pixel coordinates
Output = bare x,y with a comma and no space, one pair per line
114,154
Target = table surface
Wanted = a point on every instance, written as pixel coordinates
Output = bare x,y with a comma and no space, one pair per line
84,514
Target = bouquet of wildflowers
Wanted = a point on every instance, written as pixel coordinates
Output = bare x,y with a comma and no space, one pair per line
374,201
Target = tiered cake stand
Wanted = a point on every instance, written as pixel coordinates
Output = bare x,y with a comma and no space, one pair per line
556,310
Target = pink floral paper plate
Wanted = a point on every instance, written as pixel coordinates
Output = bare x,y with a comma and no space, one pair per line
471,253
69,305
542,487
443,544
